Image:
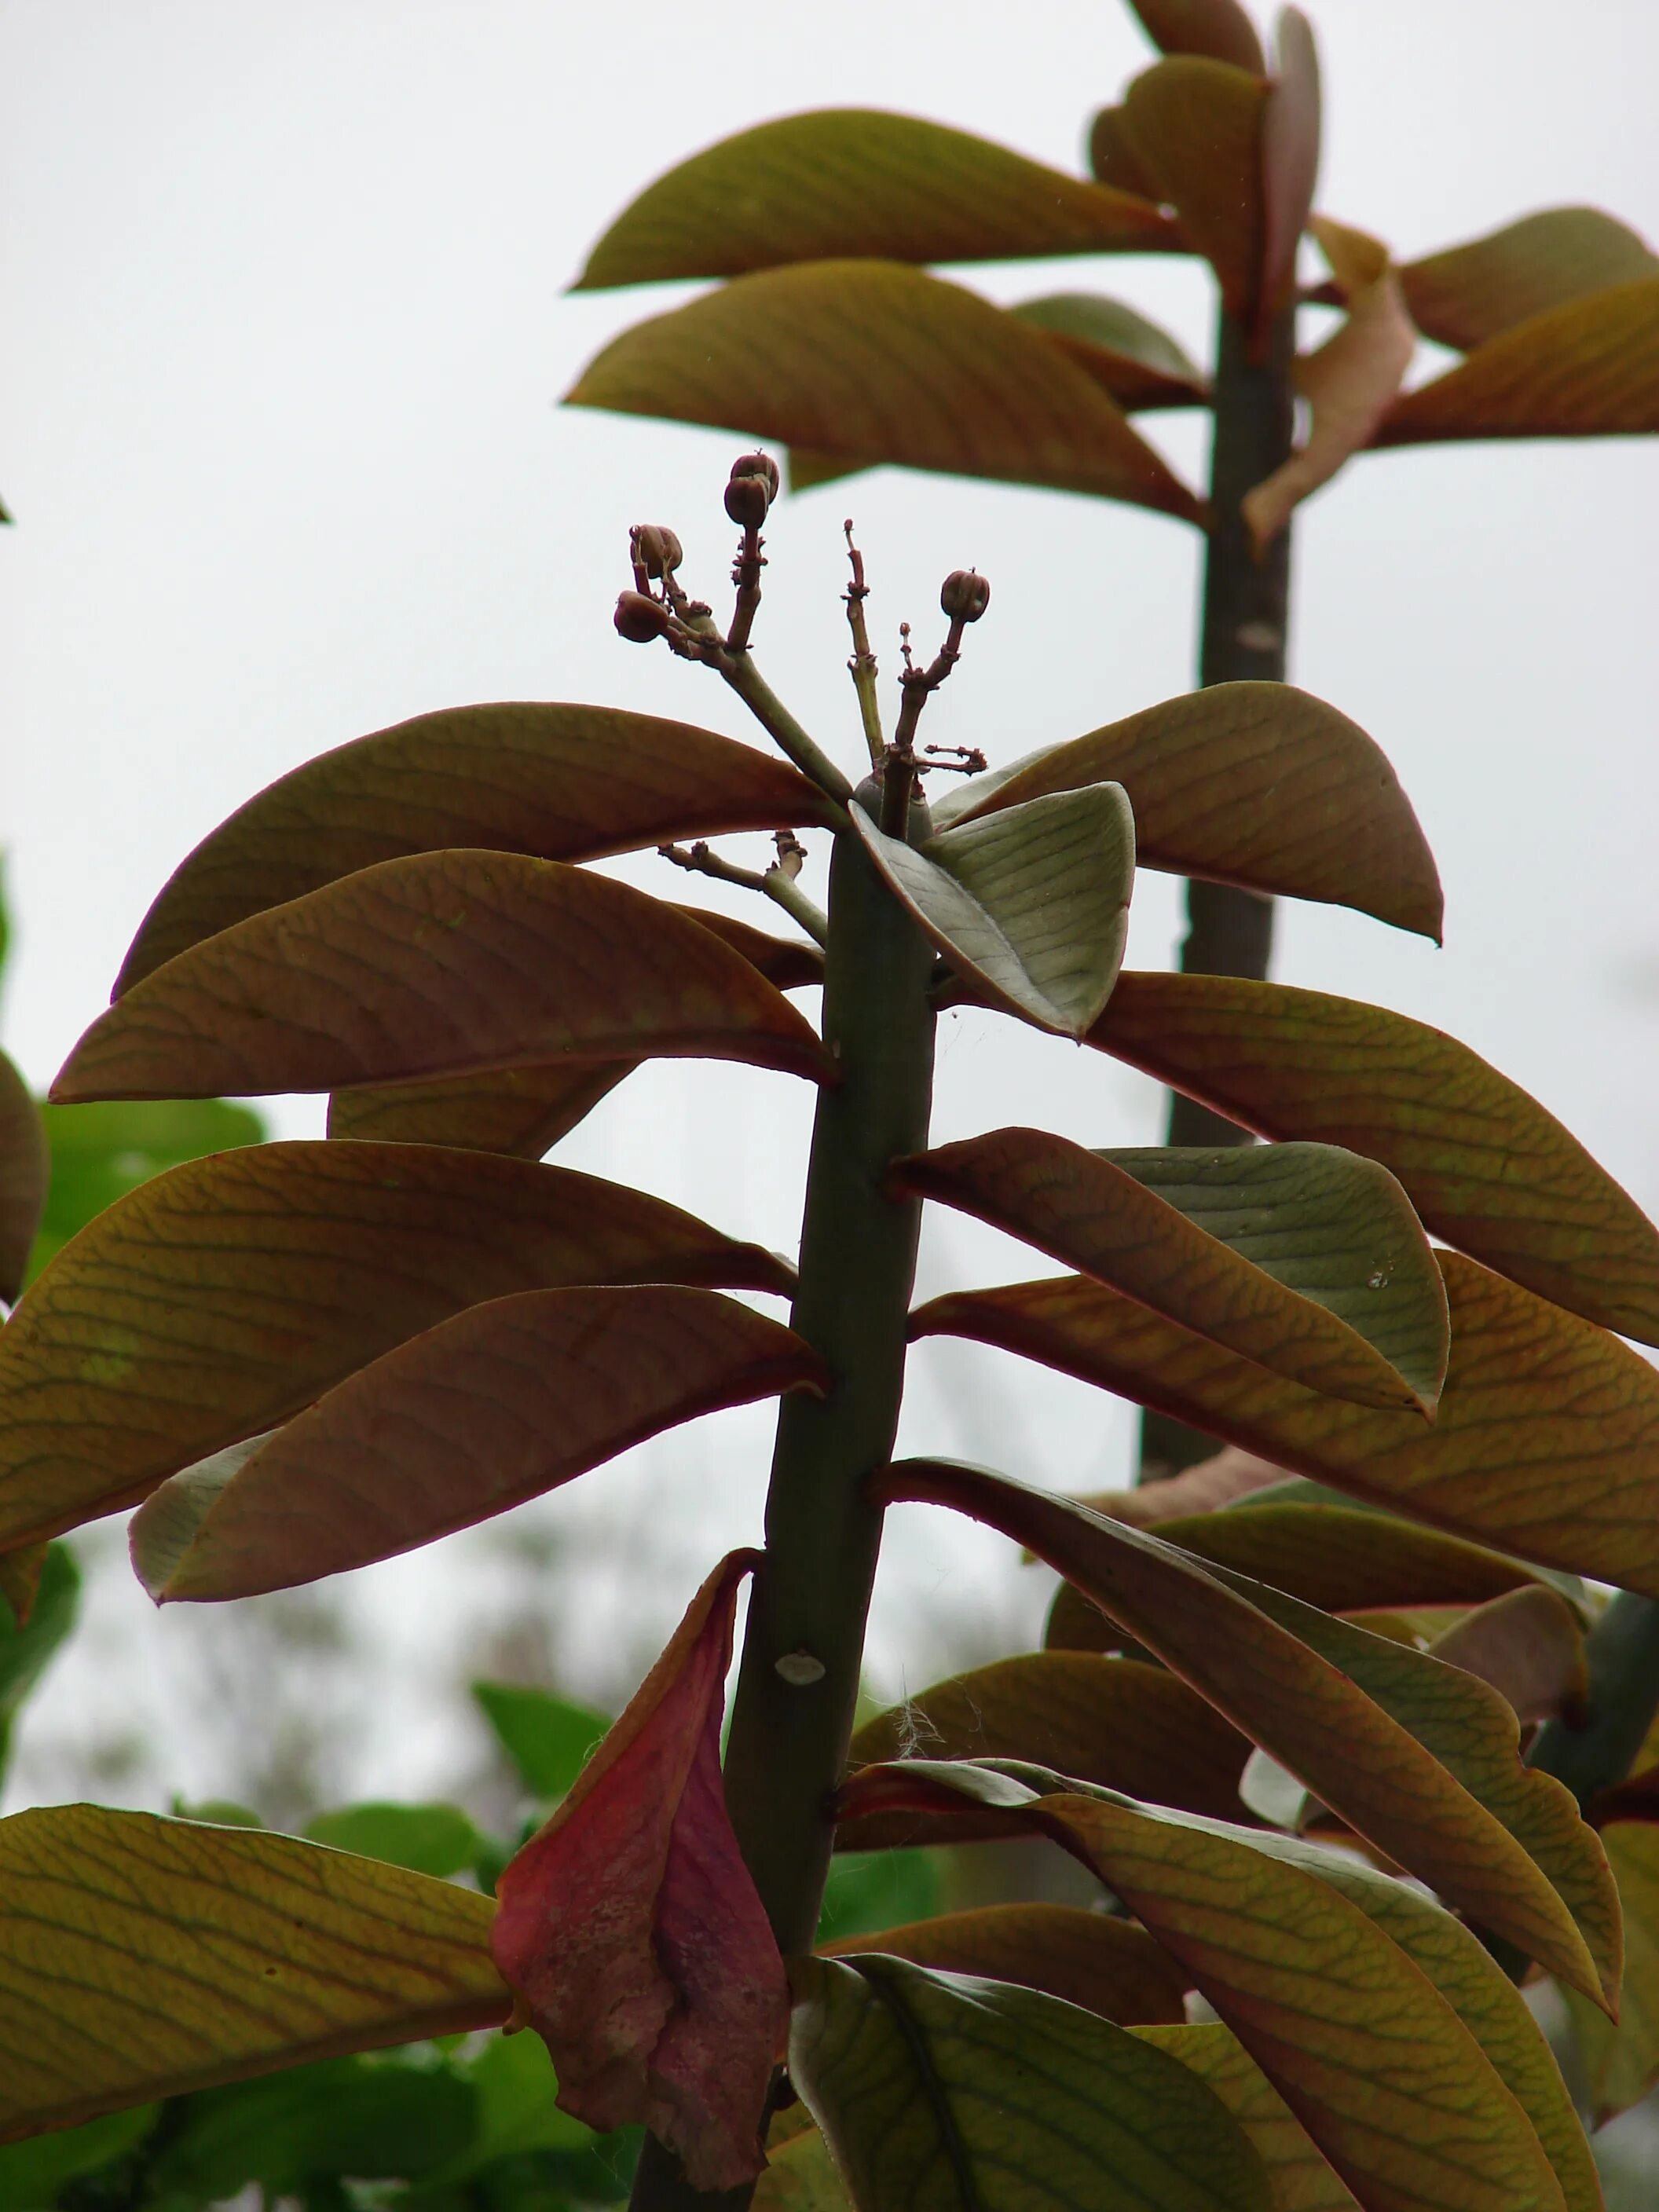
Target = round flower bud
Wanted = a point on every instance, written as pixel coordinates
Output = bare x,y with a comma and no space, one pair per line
658,549
746,502
965,595
640,620
758,464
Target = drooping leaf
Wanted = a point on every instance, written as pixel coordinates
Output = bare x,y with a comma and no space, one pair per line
1137,363
1117,1721
31,1637
1402,2048
218,1299
1466,294
25,1171
1285,1675
1195,126
1349,384
1546,1443
853,181
1589,369
1530,1645
525,1110
1032,904
1623,2061
631,1930
1290,158
548,1739
1485,1165
1305,1258
936,2091
1220,29
1255,784
441,964
1300,2178
141,1957
99,1152
879,363
560,782
1103,1964
435,1839
500,1403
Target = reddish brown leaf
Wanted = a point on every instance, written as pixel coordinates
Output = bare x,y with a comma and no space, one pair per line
1112,158
1469,294
1205,1488
19,1579
1136,364
563,783
1089,1959
1219,28
1255,784
632,1934
218,1299
25,1172
1529,1645
503,1402
441,964
1290,158
1589,369
1195,127
1547,1441
525,1110
1485,1165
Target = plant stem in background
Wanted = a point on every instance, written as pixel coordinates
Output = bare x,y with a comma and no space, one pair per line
799,1683
1246,613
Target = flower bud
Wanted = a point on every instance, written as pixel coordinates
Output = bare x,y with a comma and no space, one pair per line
753,488
758,464
658,548
965,595
640,620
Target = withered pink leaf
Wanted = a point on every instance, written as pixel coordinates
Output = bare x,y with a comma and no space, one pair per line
631,1933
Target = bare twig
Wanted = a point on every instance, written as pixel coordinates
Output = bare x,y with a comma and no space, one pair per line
777,883
863,662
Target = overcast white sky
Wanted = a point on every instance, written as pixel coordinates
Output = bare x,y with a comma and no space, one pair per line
283,282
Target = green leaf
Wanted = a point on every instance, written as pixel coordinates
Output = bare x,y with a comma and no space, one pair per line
25,1169
220,1298
1301,2179
1589,369
878,363
876,1889
1136,362
562,782
499,1404
525,1110
855,181
1465,294
1347,1713
1031,905
1255,784
940,2091
435,1839
32,2174
1094,1960
99,1152
801,2177
513,2089
1545,1443
439,964
27,1649
1485,1165
141,1957
1113,1721
1219,28
1194,124
548,1739
1305,1258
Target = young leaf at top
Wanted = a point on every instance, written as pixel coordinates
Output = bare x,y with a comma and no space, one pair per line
631,1930
1589,369
879,363
560,782
1302,1257
1220,29
1546,1443
1030,905
25,1172
142,1958
936,2091
1138,364
1285,1675
441,964
1349,383
1485,1165
1466,294
1195,127
218,1299
1290,159
1105,1965
502,1403
852,181
1302,2180
1255,784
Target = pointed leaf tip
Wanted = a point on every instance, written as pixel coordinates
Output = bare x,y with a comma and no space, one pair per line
632,1933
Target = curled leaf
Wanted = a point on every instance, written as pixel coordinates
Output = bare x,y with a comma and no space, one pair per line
631,1932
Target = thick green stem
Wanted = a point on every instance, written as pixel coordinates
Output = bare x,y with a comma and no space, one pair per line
1245,617
799,1684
